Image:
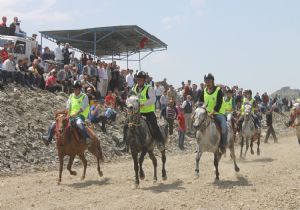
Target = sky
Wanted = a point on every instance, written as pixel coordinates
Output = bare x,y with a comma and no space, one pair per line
251,43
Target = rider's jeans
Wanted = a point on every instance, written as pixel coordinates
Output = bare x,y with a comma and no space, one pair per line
222,122
80,125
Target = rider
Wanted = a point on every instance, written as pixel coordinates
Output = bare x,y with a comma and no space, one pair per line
295,111
227,105
147,108
78,110
248,100
212,96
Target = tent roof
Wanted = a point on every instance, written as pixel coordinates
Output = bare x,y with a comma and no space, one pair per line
108,41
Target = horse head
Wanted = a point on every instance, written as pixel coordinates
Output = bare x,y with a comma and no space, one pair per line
200,116
247,110
133,104
61,122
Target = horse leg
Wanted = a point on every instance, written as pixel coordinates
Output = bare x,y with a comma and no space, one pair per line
217,158
232,155
61,164
251,146
197,158
247,147
69,167
154,161
141,160
242,145
258,143
96,152
134,155
82,158
164,159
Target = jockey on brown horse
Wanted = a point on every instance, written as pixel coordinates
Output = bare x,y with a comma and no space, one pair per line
78,110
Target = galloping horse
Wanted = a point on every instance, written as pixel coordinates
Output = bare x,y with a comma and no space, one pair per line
249,132
208,139
69,142
140,139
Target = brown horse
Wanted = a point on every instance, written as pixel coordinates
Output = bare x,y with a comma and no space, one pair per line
69,142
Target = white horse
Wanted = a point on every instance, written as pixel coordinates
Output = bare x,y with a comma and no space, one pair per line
249,132
208,139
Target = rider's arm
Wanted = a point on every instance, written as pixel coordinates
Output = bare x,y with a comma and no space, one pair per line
219,101
151,95
85,103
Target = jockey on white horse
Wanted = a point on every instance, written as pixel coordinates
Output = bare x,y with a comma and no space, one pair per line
294,113
212,96
248,100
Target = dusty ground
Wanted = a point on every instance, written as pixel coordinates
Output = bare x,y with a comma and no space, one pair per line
270,181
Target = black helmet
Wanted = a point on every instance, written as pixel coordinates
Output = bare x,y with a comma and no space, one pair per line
250,92
76,84
141,74
209,76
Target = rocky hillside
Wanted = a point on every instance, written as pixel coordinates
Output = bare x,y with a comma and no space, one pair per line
287,92
25,115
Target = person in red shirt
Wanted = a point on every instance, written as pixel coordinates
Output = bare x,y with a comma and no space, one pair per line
4,53
51,84
110,100
181,128
3,24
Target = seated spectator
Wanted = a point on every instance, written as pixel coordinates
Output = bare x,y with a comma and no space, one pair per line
51,83
33,55
110,115
110,100
96,116
4,20
9,69
15,26
47,55
34,70
24,76
4,52
91,95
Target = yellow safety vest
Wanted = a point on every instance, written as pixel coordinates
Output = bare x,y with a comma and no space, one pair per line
226,106
76,104
143,99
245,102
211,100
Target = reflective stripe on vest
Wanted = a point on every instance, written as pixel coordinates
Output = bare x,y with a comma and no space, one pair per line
211,100
226,106
76,104
143,99
245,102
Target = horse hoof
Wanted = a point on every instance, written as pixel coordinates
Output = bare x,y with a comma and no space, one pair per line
82,178
74,173
165,178
142,176
196,176
100,173
237,169
136,186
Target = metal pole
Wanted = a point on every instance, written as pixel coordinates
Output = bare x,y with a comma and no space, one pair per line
127,58
140,61
95,38
41,40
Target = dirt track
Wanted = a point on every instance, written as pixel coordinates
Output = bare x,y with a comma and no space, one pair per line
270,181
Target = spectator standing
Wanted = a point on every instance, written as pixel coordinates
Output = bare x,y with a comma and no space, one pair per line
187,106
58,53
181,128
66,54
171,115
159,89
270,130
130,79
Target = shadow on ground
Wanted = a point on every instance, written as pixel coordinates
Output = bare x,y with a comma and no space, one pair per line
166,187
228,184
84,184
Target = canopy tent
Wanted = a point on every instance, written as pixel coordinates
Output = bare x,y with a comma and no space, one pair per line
114,42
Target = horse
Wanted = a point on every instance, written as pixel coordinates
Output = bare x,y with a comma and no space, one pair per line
249,132
69,142
208,139
140,140
297,126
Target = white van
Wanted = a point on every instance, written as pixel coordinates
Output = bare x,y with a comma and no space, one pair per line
22,46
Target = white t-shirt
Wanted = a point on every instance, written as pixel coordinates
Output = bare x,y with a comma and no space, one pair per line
159,90
58,54
130,80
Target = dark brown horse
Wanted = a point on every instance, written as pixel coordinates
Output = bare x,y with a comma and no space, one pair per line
69,142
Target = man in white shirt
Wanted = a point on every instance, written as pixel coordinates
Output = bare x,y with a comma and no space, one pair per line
58,53
103,79
130,79
159,89
9,68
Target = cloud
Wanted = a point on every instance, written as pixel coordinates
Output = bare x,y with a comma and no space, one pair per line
40,12
197,2
171,21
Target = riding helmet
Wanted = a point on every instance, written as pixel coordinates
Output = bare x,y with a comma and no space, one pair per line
141,74
209,76
77,84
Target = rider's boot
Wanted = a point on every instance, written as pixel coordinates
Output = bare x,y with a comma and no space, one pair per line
49,136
